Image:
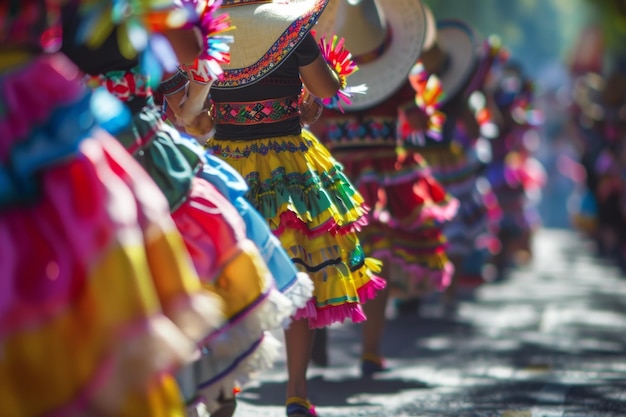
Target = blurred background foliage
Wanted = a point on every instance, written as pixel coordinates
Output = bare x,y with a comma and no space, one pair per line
612,15
538,32
555,41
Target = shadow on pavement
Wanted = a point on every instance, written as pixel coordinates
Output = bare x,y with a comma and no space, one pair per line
330,392
548,341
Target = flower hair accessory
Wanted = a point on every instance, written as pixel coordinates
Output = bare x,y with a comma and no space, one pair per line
138,25
138,21
340,61
429,95
482,114
216,45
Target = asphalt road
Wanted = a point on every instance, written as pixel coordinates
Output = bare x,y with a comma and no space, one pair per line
549,341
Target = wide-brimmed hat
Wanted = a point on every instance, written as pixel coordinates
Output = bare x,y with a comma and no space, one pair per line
453,56
266,32
385,38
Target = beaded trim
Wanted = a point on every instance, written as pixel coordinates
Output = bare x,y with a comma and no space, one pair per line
125,85
174,84
357,131
226,152
257,112
281,49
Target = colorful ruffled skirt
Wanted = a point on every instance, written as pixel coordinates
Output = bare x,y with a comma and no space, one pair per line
516,182
409,209
315,212
451,168
297,286
228,262
99,301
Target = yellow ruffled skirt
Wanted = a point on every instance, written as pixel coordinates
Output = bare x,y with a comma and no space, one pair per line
311,206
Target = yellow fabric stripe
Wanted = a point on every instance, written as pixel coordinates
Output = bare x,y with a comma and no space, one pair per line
56,359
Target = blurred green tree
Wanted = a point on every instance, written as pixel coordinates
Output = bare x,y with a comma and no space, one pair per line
537,32
612,16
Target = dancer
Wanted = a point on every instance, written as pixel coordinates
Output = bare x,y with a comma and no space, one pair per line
515,175
177,92
600,104
227,262
409,206
294,182
452,57
100,301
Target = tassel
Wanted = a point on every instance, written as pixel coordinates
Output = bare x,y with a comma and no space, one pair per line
340,61
429,95
216,47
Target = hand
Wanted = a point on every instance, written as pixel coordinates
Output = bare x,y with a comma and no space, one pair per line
194,103
201,126
310,108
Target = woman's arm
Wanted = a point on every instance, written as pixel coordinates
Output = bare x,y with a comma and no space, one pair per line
319,79
186,43
187,104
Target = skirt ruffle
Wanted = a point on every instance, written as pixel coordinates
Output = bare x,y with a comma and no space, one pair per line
398,187
311,194
110,306
217,378
416,260
97,247
228,263
517,181
294,285
409,210
450,166
313,209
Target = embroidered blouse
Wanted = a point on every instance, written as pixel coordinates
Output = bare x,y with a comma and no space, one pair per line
371,127
269,107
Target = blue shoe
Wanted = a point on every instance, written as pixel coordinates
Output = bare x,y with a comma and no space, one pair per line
298,407
371,365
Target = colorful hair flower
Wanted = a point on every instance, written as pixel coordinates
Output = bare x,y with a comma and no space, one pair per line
340,61
429,95
216,45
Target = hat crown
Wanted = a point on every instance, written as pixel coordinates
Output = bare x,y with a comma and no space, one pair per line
362,24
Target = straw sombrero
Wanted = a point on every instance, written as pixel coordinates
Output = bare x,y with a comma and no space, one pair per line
266,32
385,38
456,53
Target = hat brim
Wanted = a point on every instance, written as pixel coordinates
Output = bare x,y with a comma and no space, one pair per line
458,41
386,74
264,35
431,28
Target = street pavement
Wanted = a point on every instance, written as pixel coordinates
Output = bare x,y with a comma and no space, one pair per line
548,341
